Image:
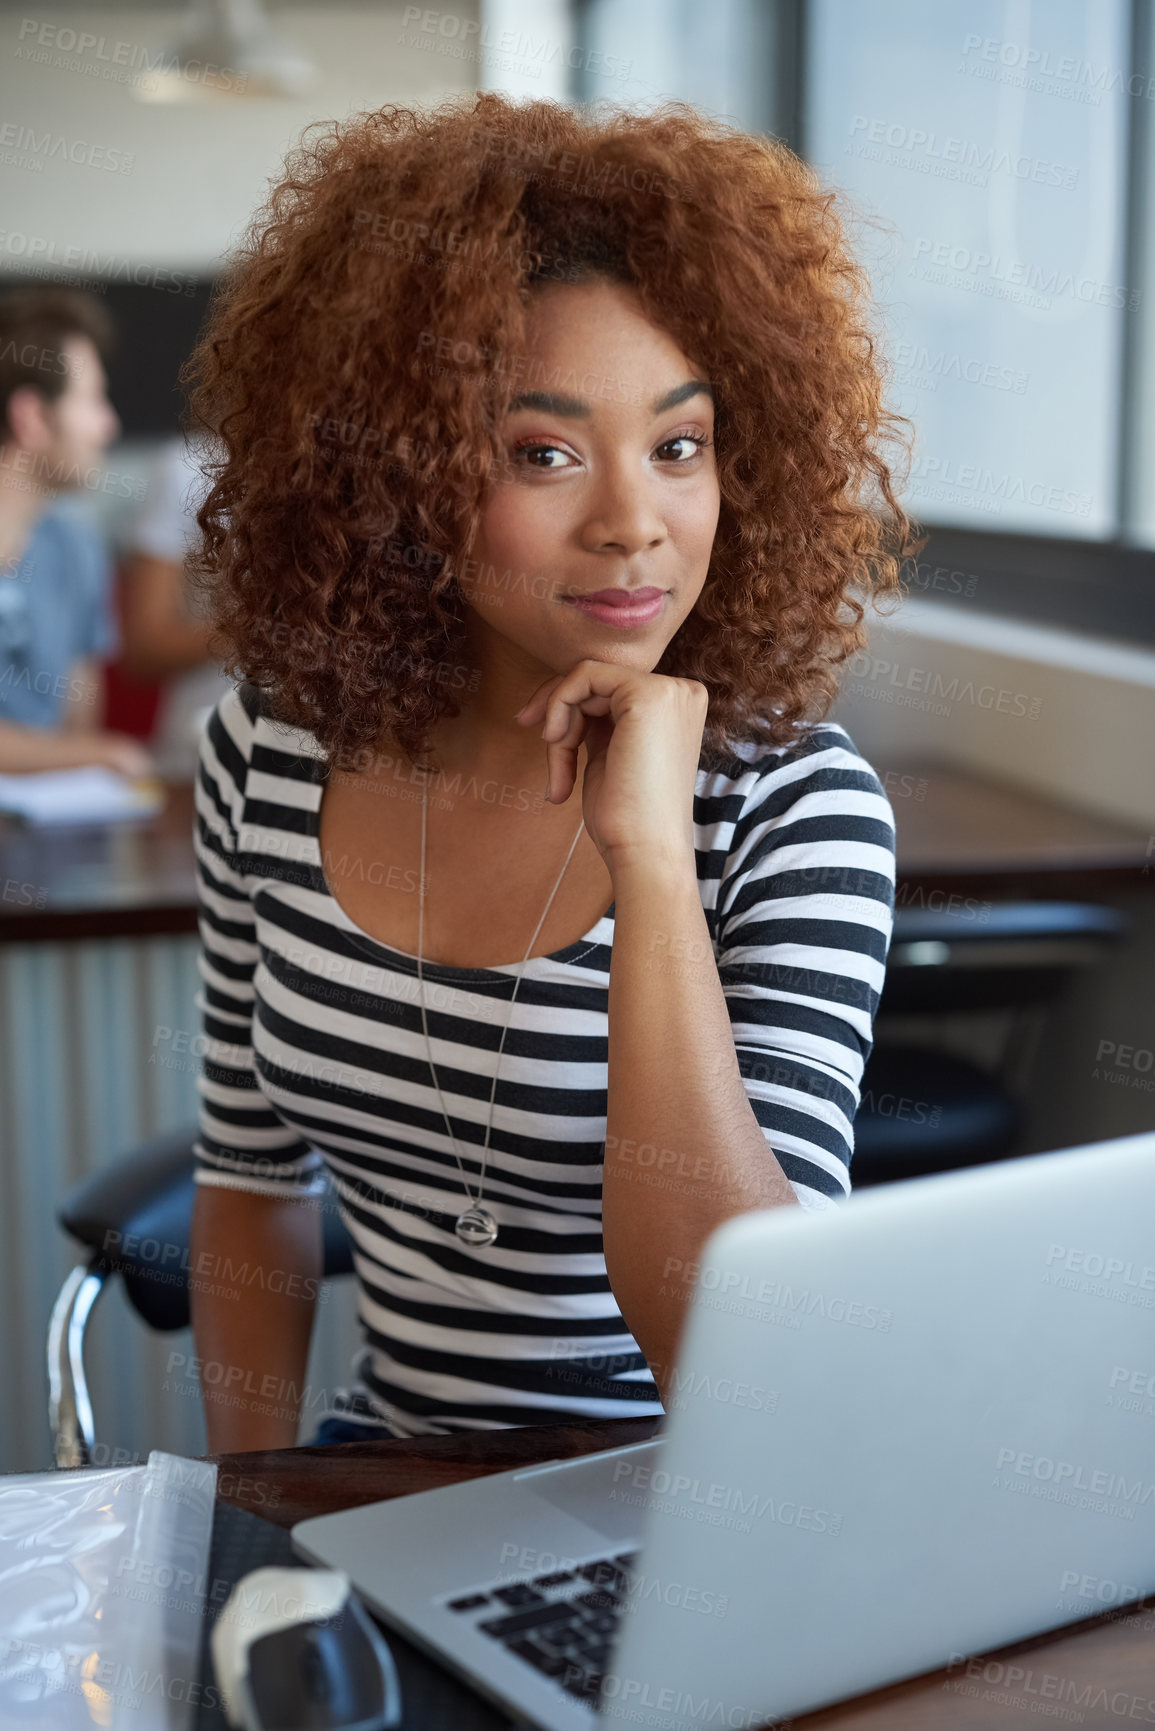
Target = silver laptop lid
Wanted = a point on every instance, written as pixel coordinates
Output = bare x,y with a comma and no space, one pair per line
952,1445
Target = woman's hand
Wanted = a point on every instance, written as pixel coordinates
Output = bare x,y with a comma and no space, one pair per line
643,738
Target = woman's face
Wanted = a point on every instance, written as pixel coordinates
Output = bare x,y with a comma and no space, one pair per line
611,484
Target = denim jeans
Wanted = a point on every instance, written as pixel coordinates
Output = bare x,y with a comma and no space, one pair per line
342,1430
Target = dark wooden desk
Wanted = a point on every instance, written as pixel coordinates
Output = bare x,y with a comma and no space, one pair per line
1098,1672
957,832
133,879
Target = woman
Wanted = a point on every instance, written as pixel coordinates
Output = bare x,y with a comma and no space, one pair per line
474,369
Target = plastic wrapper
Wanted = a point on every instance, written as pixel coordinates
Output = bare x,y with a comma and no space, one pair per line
102,1595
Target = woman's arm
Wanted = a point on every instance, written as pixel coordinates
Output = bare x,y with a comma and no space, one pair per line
734,1090
739,1059
257,1238
674,1088
256,1264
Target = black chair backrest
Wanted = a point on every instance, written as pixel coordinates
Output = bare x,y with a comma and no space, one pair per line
136,1216
1007,955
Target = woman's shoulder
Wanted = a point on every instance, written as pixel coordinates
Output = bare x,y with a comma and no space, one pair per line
811,821
242,726
824,758
815,802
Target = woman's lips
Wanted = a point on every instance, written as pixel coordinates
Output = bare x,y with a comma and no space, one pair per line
642,606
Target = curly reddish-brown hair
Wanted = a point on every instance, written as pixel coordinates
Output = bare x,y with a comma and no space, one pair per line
370,332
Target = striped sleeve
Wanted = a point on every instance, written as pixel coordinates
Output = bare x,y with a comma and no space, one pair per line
806,909
242,1143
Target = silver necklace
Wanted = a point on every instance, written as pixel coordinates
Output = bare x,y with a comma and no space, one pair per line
475,1225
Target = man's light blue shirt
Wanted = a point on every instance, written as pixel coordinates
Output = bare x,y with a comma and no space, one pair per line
56,607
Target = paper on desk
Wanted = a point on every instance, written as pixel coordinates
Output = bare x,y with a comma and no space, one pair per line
95,795
102,1595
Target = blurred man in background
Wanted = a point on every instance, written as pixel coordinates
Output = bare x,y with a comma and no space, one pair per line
57,622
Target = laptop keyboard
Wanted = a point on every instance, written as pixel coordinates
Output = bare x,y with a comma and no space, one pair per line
561,1623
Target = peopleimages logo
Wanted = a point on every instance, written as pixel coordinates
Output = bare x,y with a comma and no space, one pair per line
1058,1697
21,140
997,272
464,31
1100,1589
101,268
915,147
1100,1482
717,1504
1099,1266
626,1697
803,1301
886,677
1038,64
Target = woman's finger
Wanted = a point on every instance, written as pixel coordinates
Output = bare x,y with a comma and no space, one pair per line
570,726
567,724
594,704
533,709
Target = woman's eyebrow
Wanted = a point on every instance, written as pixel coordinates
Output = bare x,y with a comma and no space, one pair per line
548,403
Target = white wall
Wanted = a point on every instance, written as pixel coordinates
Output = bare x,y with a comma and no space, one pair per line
527,48
199,169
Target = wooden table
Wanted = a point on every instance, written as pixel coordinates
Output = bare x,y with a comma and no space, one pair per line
1097,1672
956,832
132,879
959,831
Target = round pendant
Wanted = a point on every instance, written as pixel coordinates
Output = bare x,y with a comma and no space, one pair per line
476,1226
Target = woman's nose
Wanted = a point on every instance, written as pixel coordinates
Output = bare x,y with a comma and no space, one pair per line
623,516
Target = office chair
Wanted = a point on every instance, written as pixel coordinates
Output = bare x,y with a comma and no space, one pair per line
924,1110
135,1218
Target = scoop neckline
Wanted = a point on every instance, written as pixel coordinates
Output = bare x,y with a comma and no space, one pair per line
443,970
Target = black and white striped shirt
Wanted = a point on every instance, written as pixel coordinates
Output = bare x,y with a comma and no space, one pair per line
315,1067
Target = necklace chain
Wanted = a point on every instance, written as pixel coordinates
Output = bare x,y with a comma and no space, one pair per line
476,1225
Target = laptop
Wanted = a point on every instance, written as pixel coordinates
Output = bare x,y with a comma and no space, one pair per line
902,1431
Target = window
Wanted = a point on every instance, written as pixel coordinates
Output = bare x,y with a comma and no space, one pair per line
1001,156
992,138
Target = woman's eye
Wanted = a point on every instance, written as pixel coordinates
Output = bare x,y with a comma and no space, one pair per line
537,455
531,450
696,444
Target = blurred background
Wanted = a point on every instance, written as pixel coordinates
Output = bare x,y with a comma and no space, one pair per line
998,160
